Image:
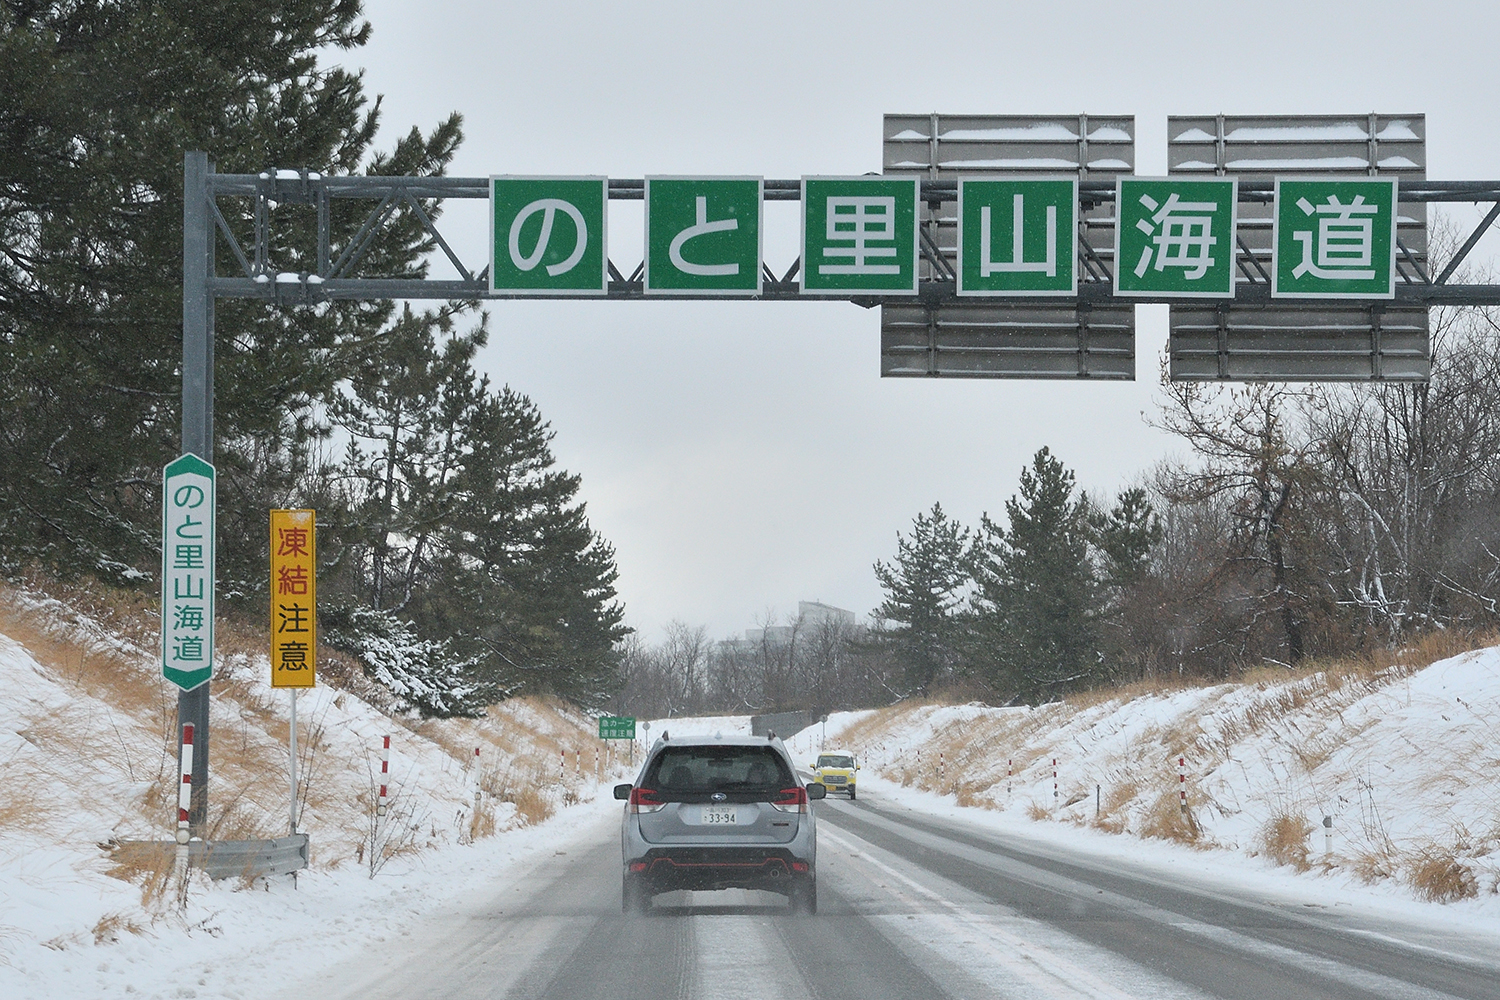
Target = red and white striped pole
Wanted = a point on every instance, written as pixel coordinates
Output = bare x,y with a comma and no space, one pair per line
385,775
1182,782
578,763
598,774
1010,771
185,786
1054,778
562,765
942,768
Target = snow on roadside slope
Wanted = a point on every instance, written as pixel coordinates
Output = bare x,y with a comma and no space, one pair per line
88,758
1404,762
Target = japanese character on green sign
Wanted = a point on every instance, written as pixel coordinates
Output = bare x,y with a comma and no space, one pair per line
547,235
613,727
703,235
1017,237
1335,238
859,234
1175,237
187,579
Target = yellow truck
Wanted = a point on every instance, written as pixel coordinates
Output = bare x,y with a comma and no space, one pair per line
835,770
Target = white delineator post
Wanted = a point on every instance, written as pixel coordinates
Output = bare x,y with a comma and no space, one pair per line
185,786
1182,783
385,772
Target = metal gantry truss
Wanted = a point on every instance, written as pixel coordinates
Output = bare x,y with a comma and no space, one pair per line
338,271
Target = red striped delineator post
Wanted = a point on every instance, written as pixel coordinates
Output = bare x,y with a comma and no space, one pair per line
1054,777
1010,770
1182,782
185,786
385,773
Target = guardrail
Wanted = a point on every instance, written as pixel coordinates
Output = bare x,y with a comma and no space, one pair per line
248,859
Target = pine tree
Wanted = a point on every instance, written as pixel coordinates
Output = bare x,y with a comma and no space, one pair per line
1036,598
924,591
529,592
98,101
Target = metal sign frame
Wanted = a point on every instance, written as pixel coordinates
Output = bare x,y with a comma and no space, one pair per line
337,277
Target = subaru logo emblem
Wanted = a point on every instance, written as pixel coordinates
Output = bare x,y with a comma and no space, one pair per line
718,796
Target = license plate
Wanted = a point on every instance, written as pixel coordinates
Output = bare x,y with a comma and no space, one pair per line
719,816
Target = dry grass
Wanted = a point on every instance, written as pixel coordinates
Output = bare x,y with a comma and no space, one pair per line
1373,866
1167,820
1036,812
110,927
145,865
1436,874
1284,840
531,805
1112,817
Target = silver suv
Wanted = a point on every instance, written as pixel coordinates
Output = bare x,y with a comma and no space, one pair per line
719,812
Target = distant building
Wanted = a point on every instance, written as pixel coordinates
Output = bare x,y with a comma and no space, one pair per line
810,615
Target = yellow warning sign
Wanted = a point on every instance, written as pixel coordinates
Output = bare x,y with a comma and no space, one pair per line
294,599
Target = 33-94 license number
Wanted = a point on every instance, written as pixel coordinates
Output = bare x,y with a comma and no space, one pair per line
719,816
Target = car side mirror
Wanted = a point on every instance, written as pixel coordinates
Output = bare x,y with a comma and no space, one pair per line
817,791
623,791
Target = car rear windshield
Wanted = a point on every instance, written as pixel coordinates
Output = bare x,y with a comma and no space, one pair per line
742,773
835,760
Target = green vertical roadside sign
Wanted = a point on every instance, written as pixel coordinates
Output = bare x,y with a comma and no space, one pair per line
859,234
613,727
1017,236
703,235
1174,237
187,572
1334,238
547,235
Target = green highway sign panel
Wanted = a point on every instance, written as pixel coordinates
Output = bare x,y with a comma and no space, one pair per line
1174,237
612,727
859,234
703,235
1017,237
1334,238
547,235
187,572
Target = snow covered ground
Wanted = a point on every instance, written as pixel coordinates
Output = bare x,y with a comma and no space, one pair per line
1405,764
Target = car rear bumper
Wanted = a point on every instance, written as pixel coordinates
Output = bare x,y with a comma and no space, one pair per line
664,869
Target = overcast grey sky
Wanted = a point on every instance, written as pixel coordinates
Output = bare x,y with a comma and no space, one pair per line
743,456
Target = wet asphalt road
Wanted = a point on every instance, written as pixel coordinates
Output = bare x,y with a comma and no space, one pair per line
913,907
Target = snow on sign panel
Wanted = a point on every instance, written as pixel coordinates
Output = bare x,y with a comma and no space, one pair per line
1017,236
859,234
1175,237
547,235
703,235
294,599
1335,238
187,572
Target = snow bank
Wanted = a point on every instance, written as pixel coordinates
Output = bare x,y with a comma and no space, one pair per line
1403,763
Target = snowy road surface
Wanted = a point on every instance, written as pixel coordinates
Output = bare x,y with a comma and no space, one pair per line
911,907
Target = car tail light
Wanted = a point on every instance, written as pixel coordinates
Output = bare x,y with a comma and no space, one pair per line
799,866
791,800
637,866
644,800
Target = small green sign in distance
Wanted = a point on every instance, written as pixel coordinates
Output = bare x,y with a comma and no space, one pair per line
703,235
1017,236
1174,237
1335,238
548,235
187,571
613,727
859,234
